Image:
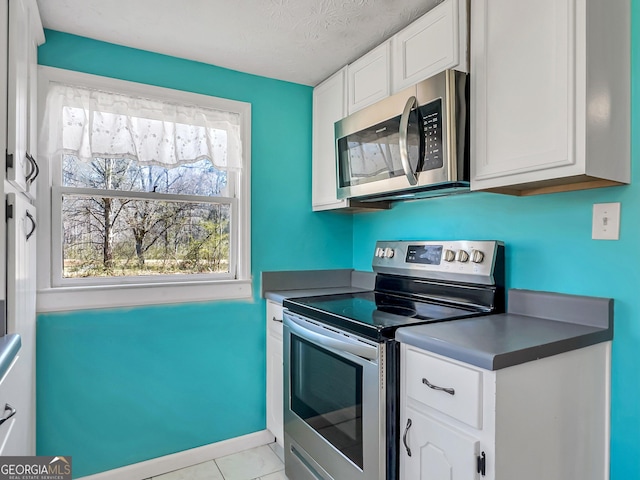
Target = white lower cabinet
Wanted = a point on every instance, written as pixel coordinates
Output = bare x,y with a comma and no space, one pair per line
275,403
15,438
545,419
438,451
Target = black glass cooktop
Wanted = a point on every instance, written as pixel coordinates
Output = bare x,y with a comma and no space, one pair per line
374,315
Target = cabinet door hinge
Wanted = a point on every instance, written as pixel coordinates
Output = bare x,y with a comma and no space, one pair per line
9,160
8,210
482,464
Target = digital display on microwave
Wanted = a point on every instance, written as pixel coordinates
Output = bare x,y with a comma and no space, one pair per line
424,254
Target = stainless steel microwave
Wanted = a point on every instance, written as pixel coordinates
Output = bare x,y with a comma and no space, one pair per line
413,144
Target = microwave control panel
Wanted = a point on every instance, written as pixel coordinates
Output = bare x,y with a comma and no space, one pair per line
430,116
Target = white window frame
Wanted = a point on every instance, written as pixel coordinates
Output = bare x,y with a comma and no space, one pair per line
58,294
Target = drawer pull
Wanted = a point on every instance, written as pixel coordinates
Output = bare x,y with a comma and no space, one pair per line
450,391
274,319
11,410
404,437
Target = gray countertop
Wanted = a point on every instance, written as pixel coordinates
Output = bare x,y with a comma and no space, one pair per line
278,296
277,286
537,325
9,347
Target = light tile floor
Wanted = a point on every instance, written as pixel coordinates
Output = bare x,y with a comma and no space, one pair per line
260,463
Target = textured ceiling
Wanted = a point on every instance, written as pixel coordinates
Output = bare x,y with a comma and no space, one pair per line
302,41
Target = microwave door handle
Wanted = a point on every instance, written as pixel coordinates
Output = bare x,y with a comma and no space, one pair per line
322,336
412,177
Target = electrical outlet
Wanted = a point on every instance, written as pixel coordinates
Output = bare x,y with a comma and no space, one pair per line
606,221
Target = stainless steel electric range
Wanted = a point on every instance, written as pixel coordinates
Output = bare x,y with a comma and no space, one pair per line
341,362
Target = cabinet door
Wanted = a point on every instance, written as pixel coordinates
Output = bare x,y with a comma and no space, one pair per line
431,44
32,109
15,436
329,106
10,412
4,32
438,451
369,78
18,166
21,310
275,404
523,99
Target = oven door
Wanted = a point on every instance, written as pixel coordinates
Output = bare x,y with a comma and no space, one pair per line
334,404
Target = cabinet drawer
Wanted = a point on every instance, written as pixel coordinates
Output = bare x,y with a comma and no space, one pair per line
452,389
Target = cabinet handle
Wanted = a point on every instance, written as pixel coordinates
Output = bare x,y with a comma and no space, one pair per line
402,140
482,464
33,225
32,169
404,437
35,170
11,410
450,391
274,319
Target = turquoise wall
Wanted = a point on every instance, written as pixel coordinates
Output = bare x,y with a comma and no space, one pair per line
549,247
116,387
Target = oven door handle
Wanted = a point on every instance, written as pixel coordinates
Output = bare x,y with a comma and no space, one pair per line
327,338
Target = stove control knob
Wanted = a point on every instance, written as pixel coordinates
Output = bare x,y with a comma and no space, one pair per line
477,256
462,256
449,255
388,252
379,252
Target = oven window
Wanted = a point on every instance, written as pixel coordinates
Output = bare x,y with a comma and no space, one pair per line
326,392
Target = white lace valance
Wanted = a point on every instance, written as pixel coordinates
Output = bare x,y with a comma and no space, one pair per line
97,124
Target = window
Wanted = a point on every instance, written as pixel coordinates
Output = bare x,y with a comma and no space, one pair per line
148,194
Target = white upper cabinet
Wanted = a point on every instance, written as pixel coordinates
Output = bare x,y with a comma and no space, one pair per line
369,78
329,106
36,38
435,42
25,34
18,166
550,94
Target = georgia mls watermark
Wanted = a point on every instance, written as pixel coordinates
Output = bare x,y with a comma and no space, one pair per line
35,468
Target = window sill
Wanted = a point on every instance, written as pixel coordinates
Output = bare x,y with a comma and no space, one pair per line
60,299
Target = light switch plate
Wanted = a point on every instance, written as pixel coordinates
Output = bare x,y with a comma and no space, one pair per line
606,221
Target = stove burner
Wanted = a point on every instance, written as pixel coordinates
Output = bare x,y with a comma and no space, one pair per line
398,310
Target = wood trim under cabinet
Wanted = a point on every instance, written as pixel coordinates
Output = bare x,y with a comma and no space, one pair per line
581,182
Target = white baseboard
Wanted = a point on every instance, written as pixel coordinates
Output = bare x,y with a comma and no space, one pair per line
176,461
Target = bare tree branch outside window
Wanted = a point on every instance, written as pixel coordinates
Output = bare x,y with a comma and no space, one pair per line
106,236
